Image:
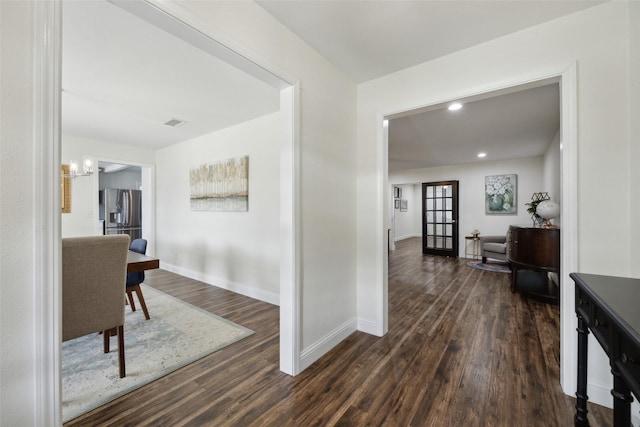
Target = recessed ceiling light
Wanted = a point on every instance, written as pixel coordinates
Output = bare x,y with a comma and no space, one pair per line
481,155
455,106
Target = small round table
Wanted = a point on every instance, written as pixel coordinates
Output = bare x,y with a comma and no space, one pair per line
475,252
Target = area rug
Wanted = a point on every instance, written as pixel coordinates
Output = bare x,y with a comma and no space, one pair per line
498,267
176,335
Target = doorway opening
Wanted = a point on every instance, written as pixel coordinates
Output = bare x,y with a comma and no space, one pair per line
48,59
565,78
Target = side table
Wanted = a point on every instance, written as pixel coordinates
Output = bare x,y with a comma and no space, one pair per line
475,247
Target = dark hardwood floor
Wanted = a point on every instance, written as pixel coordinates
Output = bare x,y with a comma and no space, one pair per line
461,350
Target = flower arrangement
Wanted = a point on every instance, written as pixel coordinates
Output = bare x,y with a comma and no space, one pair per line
500,193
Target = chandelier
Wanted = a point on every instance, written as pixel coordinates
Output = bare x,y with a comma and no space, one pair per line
74,171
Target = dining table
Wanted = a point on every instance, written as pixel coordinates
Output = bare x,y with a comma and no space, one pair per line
137,262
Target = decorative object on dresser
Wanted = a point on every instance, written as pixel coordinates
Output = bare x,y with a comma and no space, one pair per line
534,254
532,206
548,210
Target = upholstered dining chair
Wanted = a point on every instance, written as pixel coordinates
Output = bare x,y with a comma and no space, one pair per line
94,271
135,279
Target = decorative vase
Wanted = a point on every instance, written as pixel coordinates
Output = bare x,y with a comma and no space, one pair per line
548,209
496,203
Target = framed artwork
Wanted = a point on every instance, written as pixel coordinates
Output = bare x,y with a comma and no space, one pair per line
221,186
65,189
500,194
403,205
397,204
397,192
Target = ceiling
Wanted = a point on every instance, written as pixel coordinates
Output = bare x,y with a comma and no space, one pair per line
372,38
507,126
123,78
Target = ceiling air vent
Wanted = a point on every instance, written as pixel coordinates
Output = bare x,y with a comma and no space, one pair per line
175,123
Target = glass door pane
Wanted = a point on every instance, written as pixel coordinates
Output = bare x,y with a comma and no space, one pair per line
439,219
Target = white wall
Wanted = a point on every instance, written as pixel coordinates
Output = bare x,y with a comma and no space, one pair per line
598,39
126,179
409,223
233,250
551,169
471,208
327,168
83,219
634,131
18,358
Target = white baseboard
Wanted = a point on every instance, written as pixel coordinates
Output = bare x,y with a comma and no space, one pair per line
407,236
238,288
601,395
369,327
323,345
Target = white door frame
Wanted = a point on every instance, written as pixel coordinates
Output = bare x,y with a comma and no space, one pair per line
567,76
47,118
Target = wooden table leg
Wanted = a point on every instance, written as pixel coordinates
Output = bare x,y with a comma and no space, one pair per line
621,400
580,418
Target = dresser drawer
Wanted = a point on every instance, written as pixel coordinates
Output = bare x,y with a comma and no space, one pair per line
601,326
584,305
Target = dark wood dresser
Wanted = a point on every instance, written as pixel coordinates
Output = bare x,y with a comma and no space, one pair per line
537,252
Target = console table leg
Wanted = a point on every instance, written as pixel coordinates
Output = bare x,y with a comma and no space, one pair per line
580,418
621,400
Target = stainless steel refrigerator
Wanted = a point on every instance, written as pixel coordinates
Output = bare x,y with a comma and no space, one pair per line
121,212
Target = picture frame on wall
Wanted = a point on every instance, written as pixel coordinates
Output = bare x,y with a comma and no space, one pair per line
403,205
397,204
397,192
501,194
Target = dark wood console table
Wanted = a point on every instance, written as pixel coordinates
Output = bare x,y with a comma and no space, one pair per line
608,306
534,249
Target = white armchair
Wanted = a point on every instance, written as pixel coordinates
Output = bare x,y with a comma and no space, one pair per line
494,247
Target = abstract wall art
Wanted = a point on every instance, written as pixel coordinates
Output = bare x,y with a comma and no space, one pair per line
222,186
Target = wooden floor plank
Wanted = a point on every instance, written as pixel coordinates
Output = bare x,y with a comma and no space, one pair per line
461,350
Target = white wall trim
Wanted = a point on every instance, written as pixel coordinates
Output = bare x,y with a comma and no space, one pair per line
321,347
567,75
46,201
203,36
407,236
189,27
218,282
368,327
290,256
569,228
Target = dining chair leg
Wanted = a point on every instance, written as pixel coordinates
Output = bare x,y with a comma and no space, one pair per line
130,298
143,304
121,350
107,335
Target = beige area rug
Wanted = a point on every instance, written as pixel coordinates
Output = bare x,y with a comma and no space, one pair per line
176,335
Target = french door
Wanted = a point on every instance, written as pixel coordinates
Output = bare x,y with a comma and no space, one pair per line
440,218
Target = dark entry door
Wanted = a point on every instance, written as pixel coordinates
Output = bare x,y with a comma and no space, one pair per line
440,218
